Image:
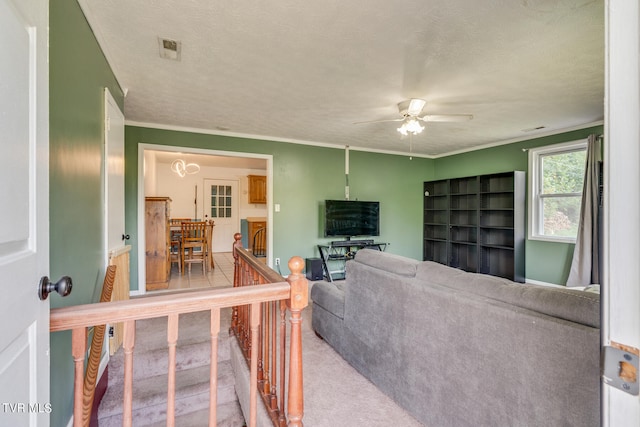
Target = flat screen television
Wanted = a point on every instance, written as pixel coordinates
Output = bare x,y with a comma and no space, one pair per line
350,218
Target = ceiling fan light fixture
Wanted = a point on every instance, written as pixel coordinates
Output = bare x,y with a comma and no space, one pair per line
410,126
415,106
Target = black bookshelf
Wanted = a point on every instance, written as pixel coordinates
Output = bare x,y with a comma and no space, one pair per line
477,223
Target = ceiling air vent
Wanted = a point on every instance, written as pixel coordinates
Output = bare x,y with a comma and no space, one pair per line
169,49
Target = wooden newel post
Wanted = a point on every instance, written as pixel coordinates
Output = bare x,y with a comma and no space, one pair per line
298,301
237,244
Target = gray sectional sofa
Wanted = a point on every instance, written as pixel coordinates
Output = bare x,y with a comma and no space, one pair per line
464,349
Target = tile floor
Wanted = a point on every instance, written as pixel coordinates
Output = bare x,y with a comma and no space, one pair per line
220,276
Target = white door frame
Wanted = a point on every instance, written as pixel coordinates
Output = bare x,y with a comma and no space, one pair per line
142,147
113,164
620,292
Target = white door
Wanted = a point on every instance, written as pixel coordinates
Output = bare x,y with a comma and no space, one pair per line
621,292
114,174
24,213
221,204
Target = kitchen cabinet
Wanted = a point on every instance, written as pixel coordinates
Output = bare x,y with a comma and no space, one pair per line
257,189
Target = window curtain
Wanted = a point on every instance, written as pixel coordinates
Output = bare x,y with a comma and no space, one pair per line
585,266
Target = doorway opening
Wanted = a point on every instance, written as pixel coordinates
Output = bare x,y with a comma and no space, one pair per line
216,189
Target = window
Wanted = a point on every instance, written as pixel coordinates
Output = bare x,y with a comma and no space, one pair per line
221,201
556,174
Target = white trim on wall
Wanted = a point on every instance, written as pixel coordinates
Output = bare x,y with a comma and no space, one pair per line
538,282
620,317
113,176
527,137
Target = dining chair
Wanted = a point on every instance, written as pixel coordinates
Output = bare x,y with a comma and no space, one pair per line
194,244
259,247
175,225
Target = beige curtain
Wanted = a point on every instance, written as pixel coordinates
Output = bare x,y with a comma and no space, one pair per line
585,266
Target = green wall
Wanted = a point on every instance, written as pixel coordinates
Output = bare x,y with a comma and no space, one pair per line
545,261
78,75
303,177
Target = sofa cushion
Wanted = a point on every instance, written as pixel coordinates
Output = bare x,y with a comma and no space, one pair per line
564,303
388,262
329,296
433,272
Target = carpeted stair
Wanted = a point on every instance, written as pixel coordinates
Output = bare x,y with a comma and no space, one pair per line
192,376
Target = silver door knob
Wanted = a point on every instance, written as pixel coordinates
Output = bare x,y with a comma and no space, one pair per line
62,287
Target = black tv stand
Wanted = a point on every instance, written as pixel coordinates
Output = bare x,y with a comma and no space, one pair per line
348,242
335,255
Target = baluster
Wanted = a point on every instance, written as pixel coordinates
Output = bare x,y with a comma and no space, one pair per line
78,350
213,375
247,337
172,339
128,344
253,387
266,351
243,337
261,347
274,356
245,326
283,350
298,301
236,279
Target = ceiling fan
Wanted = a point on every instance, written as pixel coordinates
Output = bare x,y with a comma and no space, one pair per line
411,111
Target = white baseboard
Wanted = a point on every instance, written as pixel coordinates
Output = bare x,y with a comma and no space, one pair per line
136,293
537,282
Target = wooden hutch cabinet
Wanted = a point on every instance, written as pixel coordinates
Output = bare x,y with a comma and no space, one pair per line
257,189
157,245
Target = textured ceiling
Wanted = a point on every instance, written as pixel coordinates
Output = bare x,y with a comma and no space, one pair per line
306,71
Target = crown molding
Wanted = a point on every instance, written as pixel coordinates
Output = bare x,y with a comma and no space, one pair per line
529,137
268,138
364,149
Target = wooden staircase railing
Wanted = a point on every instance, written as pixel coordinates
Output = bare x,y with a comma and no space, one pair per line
262,336
95,353
244,299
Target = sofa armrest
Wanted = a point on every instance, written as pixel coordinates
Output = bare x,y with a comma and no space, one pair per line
329,296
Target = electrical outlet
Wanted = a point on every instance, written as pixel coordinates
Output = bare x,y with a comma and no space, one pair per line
277,261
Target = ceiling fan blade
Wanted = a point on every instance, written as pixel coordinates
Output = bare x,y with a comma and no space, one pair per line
446,117
379,121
